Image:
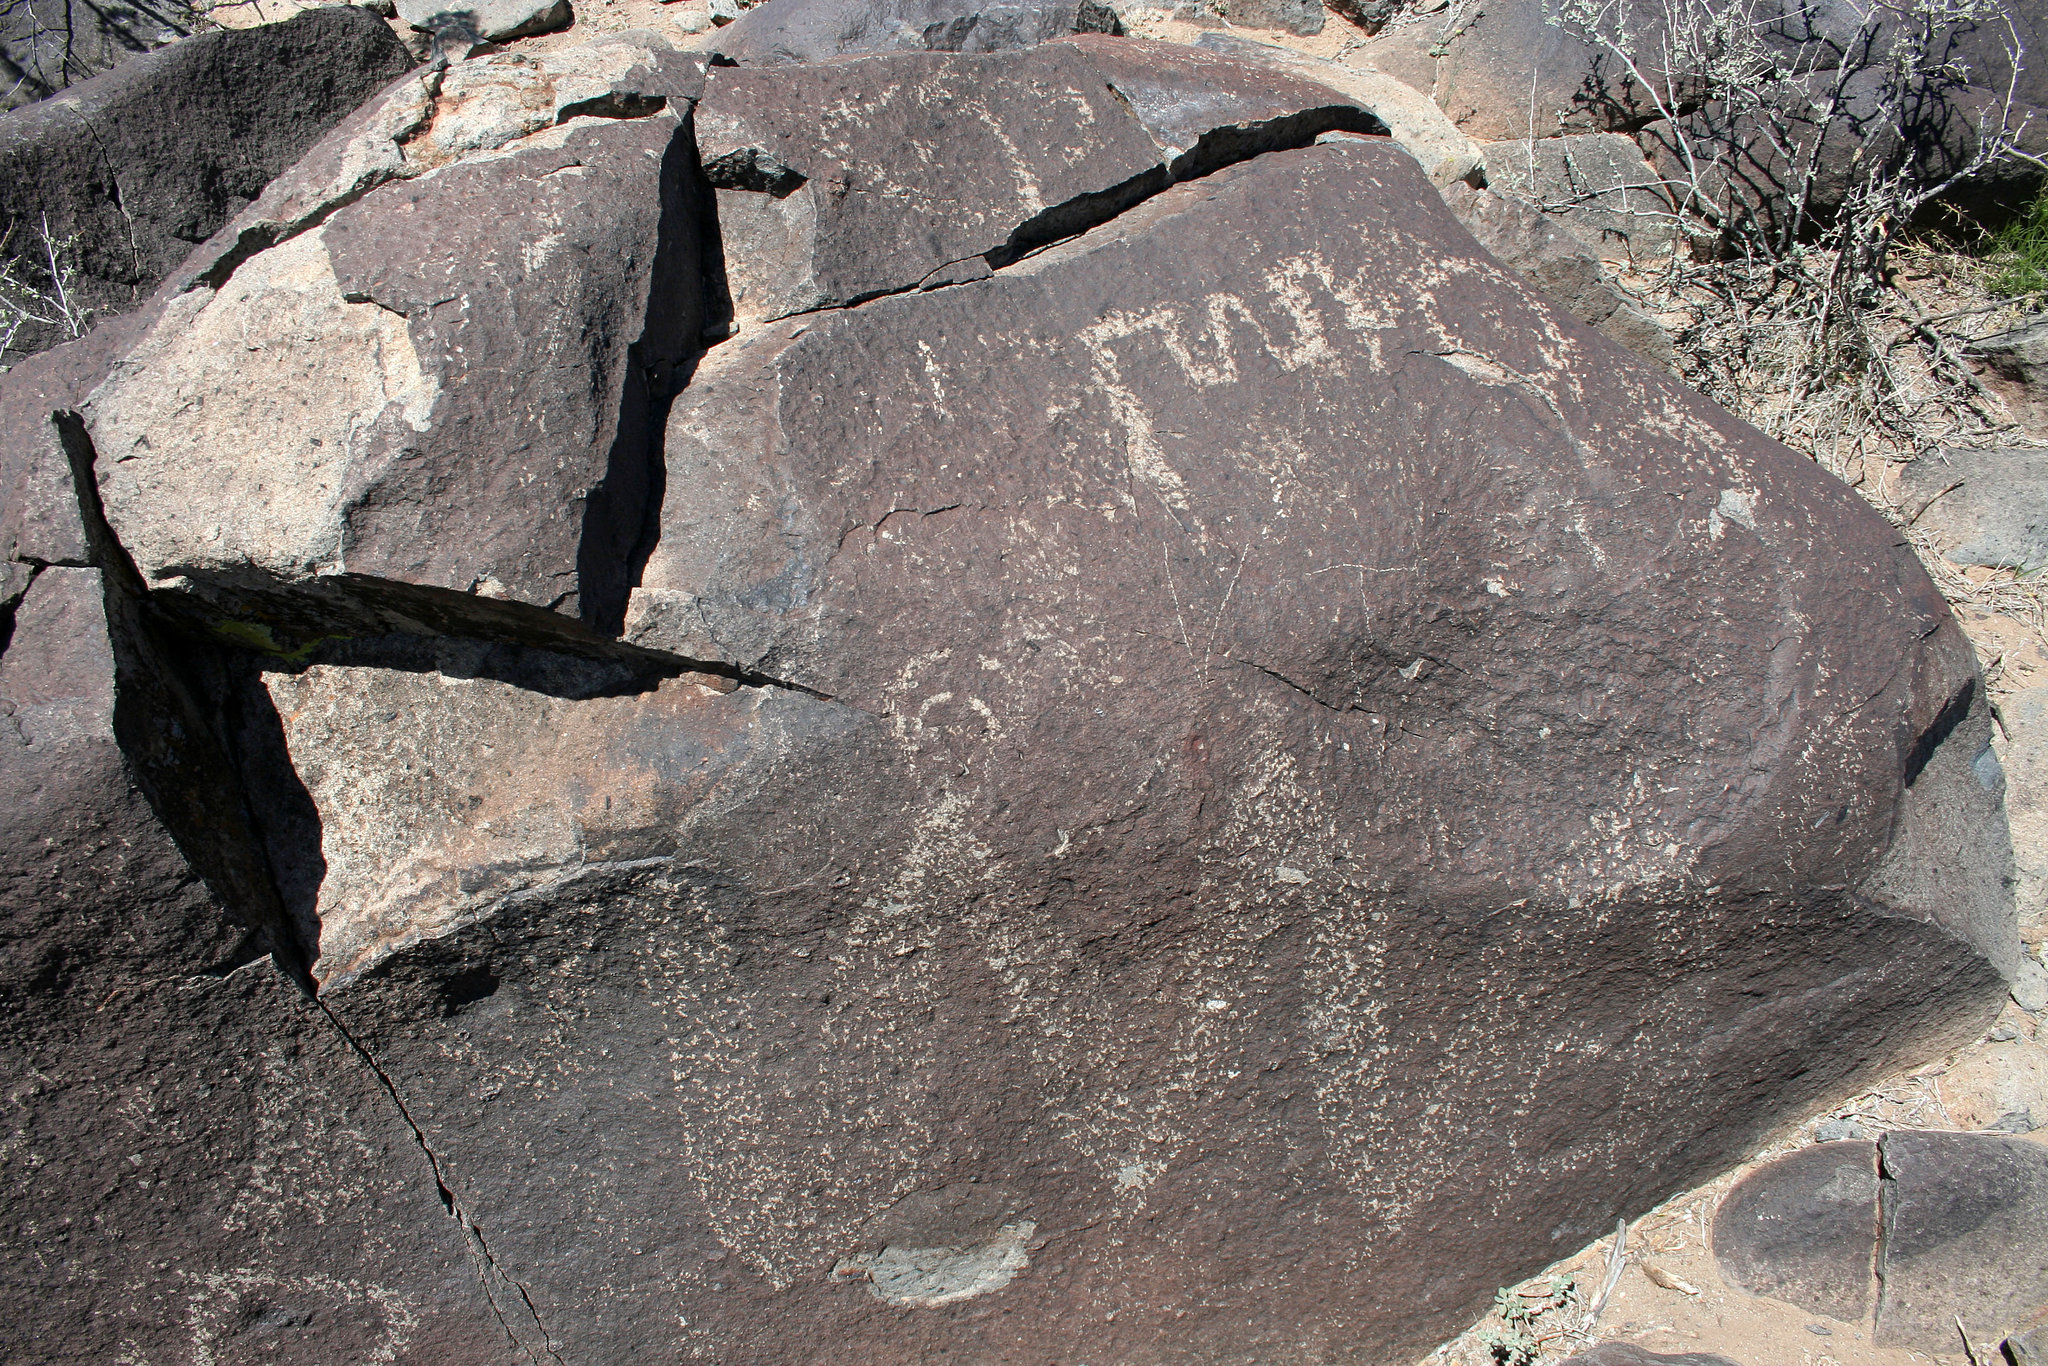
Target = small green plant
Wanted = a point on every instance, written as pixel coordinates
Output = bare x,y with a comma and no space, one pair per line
1517,1340
2019,252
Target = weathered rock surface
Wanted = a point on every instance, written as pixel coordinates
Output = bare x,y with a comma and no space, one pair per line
1963,1216
333,417
136,167
846,180
1804,1229
1596,185
1985,507
1212,794
1066,961
818,30
46,45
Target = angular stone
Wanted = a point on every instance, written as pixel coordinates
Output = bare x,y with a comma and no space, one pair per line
1304,17
1986,507
1963,1215
136,167
921,162
323,442
2029,1348
200,1167
818,30
1596,184
493,21
1803,1228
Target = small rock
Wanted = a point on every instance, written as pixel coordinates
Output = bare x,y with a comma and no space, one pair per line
2028,1349
693,19
724,12
1821,1330
2005,1033
1803,1229
1962,1236
1370,15
2012,1122
1837,1130
2030,987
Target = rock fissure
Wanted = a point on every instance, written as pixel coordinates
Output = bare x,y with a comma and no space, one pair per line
486,1263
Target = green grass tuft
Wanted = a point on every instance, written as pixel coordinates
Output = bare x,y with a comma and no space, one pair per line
2019,252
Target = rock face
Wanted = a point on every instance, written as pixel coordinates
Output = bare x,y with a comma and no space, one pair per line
1210,789
367,447
136,167
1987,507
1596,185
1920,1228
818,30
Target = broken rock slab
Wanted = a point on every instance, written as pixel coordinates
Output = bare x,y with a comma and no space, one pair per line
1803,1229
1922,1227
846,180
819,30
320,442
134,168
202,1167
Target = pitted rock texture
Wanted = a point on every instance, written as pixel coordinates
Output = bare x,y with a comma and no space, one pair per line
843,181
338,415
1804,1229
1211,794
136,167
783,31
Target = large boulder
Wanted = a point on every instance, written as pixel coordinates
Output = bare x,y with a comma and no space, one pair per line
129,171
1212,790
818,30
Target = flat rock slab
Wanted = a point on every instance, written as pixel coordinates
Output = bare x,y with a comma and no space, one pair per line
1963,1222
817,30
1985,507
843,181
136,167
1804,1229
